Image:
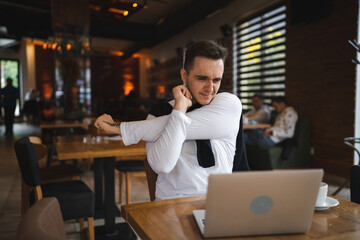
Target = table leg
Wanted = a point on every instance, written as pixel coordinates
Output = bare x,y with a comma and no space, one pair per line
109,195
111,230
98,188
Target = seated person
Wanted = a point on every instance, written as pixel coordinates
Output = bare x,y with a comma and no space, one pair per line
260,113
192,136
283,128
49,111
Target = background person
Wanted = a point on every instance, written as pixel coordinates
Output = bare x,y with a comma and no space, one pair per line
260,111
283,128
31,106
9,95
193,135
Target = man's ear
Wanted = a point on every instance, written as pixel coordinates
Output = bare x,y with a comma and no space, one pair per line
183,75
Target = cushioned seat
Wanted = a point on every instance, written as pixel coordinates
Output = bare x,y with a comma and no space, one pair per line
69,194
127,168
273,157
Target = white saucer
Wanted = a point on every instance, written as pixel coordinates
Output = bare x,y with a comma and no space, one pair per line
329,202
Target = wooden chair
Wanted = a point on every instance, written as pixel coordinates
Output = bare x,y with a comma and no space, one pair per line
127,170
151,177
49,174
76,199
42,221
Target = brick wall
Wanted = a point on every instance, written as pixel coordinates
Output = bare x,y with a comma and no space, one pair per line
320,82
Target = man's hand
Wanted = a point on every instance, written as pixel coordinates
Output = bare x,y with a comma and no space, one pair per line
106,123
182,97
267,132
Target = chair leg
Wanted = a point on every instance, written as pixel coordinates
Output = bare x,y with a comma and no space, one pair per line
81,222
38,193
25,201
91,228
121,186
128,187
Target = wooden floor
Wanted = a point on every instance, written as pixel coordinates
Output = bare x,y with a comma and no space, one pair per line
10,186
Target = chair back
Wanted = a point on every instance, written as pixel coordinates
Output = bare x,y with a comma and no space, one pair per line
151,177
355,184
28,161
302,135
41,150
35,139
43,221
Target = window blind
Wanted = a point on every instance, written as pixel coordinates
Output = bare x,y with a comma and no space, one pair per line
259,56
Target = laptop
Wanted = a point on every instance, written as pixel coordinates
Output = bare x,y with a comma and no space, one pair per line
259,203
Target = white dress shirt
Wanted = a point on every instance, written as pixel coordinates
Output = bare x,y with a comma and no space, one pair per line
171,146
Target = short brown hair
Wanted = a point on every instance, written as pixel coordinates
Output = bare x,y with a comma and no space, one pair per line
279,99
206,48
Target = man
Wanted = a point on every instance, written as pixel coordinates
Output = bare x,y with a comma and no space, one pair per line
283,128
260,113
195,134
9,95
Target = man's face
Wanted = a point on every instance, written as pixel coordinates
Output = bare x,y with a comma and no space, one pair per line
278,106
257,102
204,79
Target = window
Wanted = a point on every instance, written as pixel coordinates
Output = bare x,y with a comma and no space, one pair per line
259,56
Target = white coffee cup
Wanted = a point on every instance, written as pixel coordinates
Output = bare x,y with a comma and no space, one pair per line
321,197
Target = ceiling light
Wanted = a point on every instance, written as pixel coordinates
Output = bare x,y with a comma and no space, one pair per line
119,11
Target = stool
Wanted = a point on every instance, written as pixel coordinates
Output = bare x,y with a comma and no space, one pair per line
127,169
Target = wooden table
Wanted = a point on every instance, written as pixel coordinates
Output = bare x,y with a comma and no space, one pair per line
70,147
50,129
173,219
256,126
63,124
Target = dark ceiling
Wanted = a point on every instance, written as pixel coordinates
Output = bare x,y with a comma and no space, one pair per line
153,21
